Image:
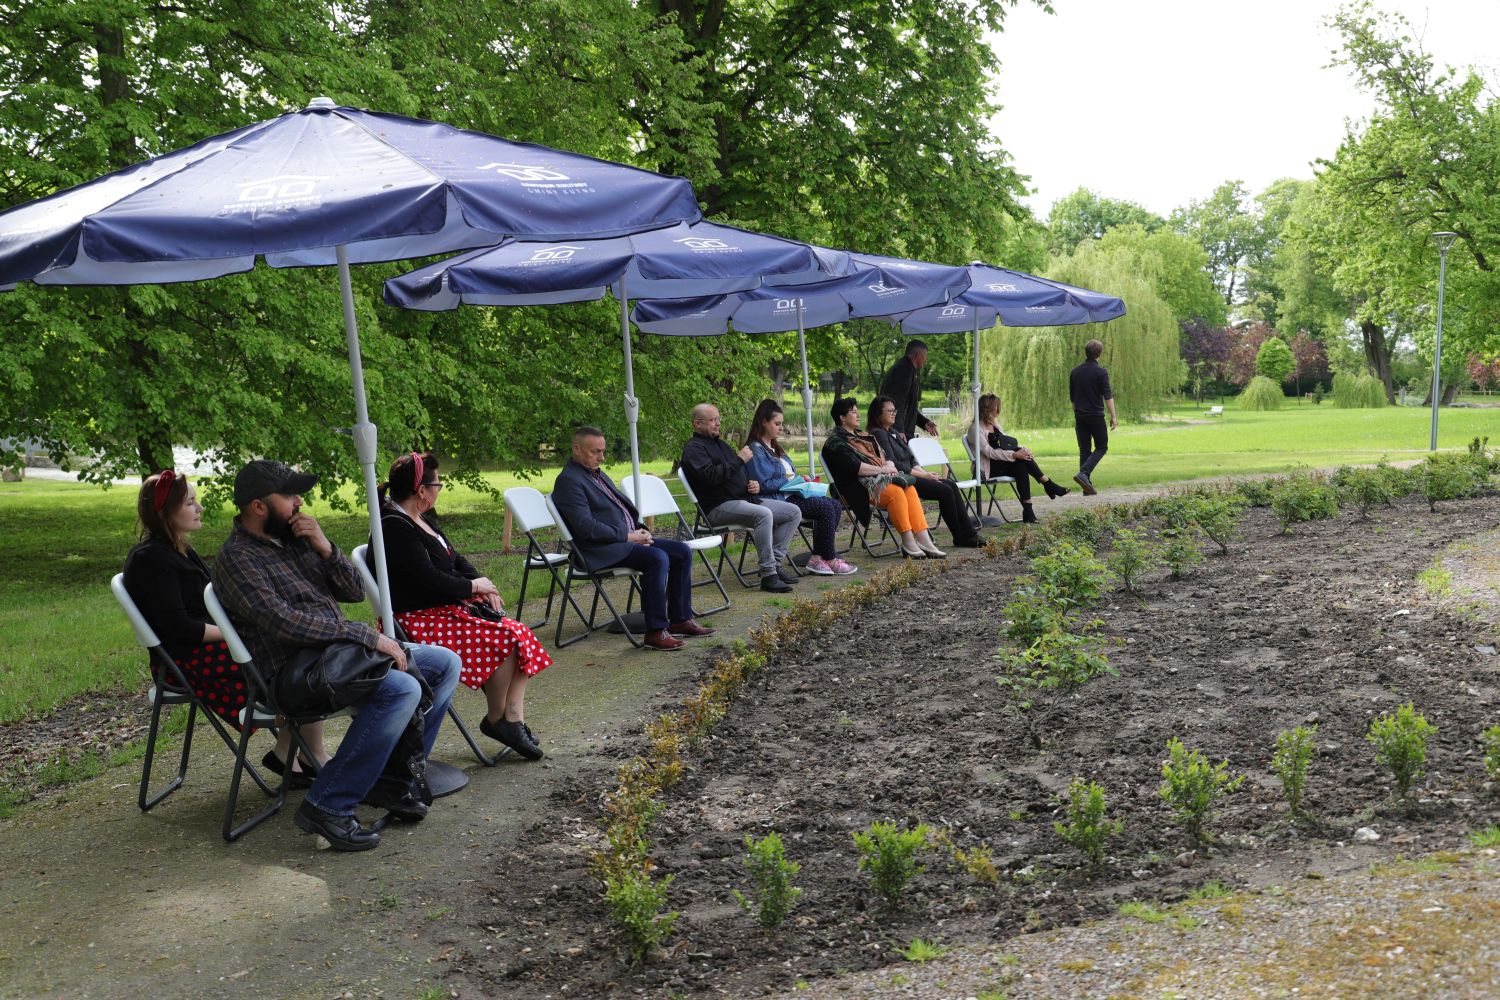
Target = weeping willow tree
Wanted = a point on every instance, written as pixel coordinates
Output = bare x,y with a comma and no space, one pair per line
1028,367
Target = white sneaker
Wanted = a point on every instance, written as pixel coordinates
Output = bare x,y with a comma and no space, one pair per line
842,568
818,565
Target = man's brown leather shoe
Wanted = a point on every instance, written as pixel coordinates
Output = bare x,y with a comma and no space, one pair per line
689,629
662,640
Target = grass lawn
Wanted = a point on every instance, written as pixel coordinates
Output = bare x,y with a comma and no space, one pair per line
62,541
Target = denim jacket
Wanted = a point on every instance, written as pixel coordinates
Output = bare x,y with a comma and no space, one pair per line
765,468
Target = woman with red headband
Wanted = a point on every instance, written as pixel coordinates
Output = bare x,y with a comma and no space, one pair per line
439,598
165,578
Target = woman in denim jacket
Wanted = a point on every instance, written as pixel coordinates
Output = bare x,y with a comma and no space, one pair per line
769,466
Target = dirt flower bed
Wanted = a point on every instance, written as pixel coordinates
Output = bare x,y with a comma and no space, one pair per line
895,714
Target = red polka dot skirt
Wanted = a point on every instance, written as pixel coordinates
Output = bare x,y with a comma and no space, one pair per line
216,679
482,645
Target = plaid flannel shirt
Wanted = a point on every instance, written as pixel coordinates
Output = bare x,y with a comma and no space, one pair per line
283,597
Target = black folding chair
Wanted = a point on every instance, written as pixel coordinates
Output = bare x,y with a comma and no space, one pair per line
169,688
983,505
372,594
857,532
703,527
578,568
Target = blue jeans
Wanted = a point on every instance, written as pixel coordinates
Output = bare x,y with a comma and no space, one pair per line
377,725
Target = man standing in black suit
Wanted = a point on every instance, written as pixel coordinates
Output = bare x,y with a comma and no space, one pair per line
903,383
608,533
1088,388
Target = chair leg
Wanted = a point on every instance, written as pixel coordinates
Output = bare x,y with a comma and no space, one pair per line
486,759
714,579
231,831
146,800
568,600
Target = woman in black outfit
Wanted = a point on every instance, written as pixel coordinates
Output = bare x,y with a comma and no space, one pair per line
438,597
165,578
881,420
1002,455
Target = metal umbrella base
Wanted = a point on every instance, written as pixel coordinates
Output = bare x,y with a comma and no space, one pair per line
445,779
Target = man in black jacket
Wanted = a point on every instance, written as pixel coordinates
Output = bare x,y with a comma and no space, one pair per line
903,383
728,496
1088,388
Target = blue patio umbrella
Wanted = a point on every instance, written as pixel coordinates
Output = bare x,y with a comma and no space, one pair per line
687,260
327,185
998,294
868,286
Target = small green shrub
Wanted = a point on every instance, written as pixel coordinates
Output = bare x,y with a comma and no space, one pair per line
1490,739
889,855
1052,668
1192,787
1318,395
1258,492
1261,394
1131,556
773,895
1479,454
1303,498
1358,390
1365,489
1180,552
1085,527
1069,575
636,903
1030,614
1449,477
1087,830
1400,740
1488,837
1217,515
1294,751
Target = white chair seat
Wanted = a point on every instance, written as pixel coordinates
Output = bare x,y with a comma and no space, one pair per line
614,571
967,484
706,542
548,559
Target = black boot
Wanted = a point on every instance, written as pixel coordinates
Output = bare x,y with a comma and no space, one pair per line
1028,516
1054,491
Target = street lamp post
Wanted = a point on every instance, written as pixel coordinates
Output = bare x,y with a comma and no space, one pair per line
1444,241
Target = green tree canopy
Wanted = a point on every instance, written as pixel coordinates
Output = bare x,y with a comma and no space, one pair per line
1084,215
1274,360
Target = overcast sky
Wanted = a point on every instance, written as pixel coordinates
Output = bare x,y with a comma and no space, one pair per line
1159,101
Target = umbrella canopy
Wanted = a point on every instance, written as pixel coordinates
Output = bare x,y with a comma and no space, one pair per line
869,286
327,185
689,260
1013,299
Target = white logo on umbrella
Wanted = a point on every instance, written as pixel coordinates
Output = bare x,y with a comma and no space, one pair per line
998,287
881,289
704,243
521,172
954,310
554,253
277,193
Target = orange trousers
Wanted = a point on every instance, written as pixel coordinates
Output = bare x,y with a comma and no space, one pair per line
904,507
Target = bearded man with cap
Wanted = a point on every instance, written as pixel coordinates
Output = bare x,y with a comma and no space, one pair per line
281,581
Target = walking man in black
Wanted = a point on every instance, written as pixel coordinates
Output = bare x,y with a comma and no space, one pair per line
1088,388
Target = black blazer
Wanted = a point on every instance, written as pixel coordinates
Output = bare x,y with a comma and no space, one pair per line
596,521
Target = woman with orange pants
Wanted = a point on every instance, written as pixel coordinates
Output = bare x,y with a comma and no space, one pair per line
863,475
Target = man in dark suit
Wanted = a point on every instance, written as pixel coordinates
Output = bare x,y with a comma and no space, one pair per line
903,383
608,533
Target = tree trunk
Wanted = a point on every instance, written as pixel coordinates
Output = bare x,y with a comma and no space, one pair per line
838,383
1378,356
776,388
1450,393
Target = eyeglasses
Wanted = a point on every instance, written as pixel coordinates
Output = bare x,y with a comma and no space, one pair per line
432,486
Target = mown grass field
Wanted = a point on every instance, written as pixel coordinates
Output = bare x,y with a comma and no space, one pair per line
61,542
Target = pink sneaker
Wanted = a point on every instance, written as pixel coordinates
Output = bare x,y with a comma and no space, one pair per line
841,568
819,565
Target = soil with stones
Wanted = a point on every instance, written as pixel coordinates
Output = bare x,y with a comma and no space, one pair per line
898,716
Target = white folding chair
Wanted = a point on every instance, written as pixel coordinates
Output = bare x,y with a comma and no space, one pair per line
261,710
656,500
578,568
528,511
169,687
983,506
930,454
704,527
372,594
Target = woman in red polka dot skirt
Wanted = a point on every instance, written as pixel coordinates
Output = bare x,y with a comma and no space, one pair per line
439,598
165,578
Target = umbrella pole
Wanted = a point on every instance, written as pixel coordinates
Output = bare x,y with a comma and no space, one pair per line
364,441
975,390
807,393
632,405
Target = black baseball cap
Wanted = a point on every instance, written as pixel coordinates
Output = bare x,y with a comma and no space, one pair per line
263,477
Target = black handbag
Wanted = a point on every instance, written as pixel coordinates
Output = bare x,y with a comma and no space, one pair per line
1003,441
479,609
322,679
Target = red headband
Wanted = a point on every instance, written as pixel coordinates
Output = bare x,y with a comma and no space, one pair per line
416,475
164,480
